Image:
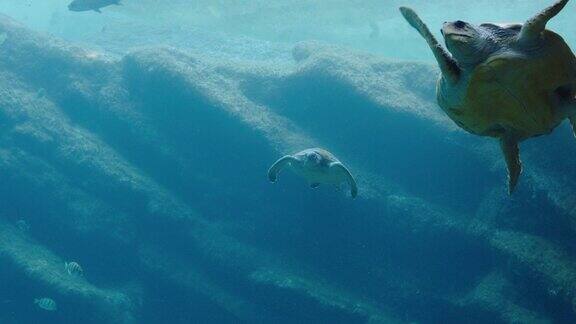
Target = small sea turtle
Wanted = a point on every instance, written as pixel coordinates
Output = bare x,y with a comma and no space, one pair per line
508,81
317,166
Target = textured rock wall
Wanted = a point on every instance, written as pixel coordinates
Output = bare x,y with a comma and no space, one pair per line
150,171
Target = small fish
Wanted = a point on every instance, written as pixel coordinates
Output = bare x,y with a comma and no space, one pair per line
22,225
73,268
46,303
374,30
3,38
88,5
214,12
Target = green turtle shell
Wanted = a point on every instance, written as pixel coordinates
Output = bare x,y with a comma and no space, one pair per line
517,89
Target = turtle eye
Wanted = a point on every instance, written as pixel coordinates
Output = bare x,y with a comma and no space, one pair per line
459,24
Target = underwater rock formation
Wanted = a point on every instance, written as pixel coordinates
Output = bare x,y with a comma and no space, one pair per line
150,170
43,272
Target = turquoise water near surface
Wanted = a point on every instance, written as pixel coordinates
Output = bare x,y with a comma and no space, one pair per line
136,142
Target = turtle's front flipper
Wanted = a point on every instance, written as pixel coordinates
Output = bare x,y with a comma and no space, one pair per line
511,153
339,167
278,166
533,28
447,64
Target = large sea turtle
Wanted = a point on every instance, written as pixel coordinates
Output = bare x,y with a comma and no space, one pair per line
509,81
317,166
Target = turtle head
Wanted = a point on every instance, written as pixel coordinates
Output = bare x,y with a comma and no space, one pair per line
468,44
312,159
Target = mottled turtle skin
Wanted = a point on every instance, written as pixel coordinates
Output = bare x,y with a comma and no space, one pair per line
317,166
508,81
516,89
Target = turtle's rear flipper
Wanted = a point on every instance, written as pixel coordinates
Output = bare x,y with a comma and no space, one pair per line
568,110
512,156
573,123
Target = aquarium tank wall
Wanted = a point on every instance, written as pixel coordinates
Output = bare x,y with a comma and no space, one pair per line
136,137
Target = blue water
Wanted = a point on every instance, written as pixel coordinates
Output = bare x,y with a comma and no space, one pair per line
136,142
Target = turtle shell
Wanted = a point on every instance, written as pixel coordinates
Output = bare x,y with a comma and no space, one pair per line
517,89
